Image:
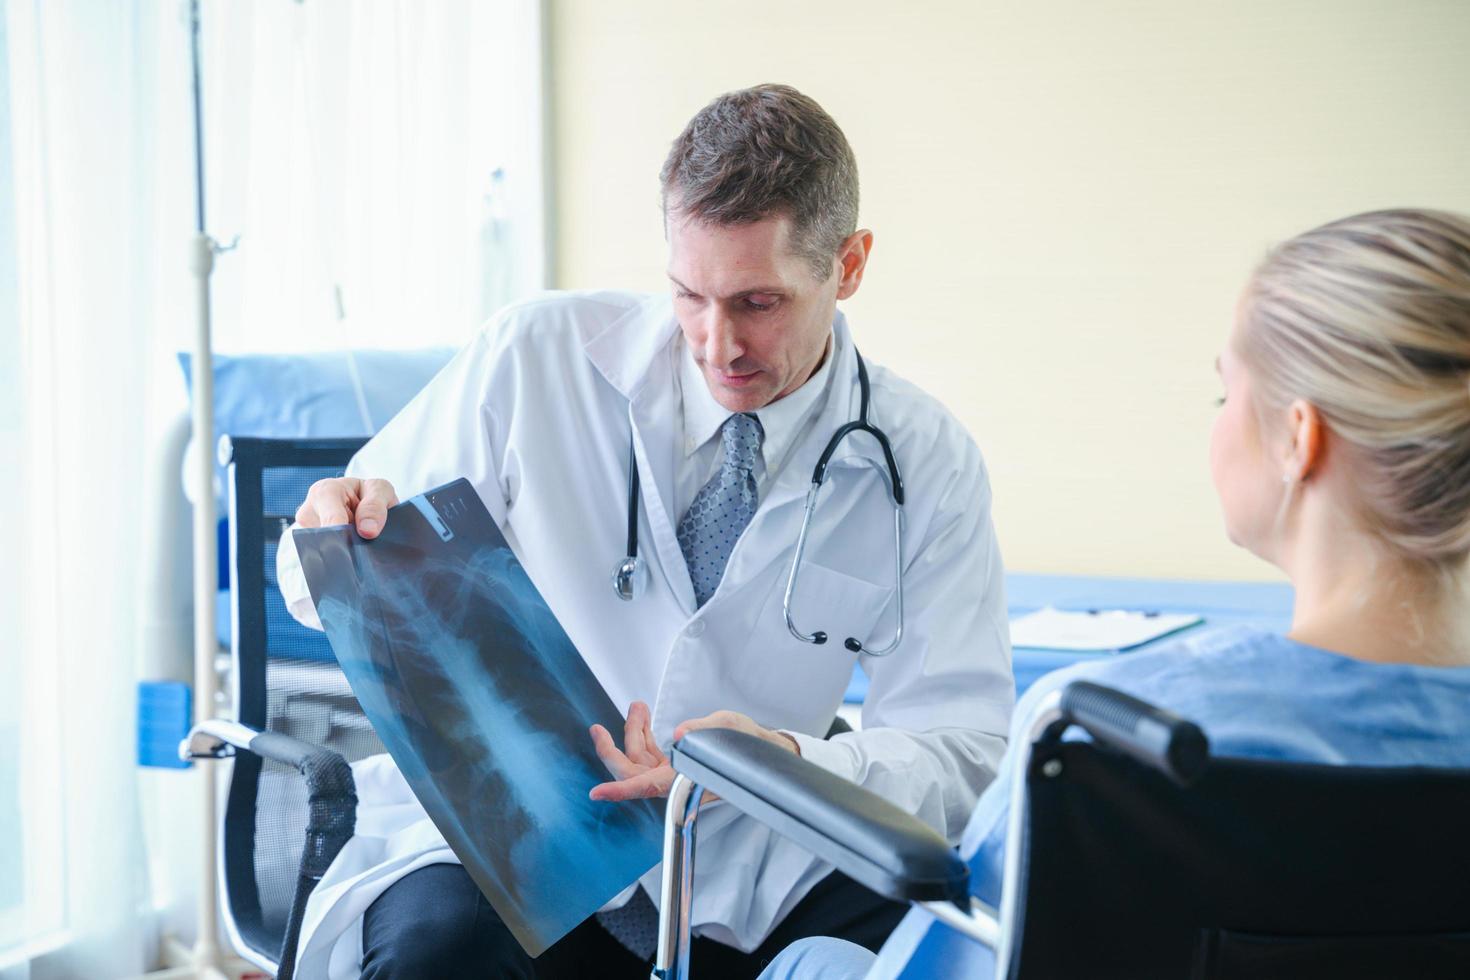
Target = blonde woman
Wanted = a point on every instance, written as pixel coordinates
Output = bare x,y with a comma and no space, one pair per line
1341,455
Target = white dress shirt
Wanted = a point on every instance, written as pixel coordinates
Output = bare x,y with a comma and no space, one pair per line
702,419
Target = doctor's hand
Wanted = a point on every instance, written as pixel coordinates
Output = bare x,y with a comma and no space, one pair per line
348,500
640,770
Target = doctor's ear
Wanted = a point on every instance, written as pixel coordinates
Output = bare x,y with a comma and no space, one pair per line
852,259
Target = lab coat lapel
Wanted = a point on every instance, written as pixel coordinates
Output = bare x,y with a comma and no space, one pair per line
652,414
627,349
634,354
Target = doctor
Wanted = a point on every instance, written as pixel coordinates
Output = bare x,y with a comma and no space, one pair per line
723,396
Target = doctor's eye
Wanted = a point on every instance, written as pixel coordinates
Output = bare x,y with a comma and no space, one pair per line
761,303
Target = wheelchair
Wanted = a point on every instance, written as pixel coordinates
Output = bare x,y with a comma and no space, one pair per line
1134,854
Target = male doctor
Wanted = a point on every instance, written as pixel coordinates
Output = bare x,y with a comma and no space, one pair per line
724,396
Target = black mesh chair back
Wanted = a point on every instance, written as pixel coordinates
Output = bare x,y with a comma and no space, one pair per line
286,681
1258,870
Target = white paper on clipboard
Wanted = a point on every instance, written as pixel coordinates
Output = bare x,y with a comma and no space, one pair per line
1106,629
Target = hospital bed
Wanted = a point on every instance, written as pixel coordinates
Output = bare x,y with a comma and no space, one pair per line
1131,855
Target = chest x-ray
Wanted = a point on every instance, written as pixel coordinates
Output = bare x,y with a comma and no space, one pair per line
484,703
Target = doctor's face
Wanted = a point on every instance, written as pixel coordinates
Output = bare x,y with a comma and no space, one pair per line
755,318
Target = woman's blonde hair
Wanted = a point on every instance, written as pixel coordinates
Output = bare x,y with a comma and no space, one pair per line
1368,319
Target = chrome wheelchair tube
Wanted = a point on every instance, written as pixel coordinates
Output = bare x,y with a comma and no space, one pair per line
1047,713
671,959
981,925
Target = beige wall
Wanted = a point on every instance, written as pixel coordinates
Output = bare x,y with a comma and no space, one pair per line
1066,198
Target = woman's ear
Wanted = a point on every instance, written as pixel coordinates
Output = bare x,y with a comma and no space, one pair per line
1307,434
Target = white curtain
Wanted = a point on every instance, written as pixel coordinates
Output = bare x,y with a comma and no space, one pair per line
381,164
84,343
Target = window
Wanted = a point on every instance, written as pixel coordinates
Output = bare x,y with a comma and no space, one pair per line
382,165
30,797
12,880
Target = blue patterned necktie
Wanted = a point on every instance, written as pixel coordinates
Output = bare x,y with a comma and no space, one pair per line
722,508
707,535
634,925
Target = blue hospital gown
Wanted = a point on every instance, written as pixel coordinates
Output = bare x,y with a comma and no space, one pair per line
1256,694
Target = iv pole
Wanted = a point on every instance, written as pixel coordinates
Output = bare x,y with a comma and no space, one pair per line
206,954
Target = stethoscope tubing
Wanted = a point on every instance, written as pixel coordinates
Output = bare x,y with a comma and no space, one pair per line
627,576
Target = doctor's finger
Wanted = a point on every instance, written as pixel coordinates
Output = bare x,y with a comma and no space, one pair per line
719,719
618,764
638,741
328,503
653,783
372,510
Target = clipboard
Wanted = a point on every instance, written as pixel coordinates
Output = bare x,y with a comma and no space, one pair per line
1095,630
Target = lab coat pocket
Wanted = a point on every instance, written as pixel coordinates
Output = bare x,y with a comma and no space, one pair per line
805,681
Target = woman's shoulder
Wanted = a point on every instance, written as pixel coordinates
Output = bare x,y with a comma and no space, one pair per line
1212,658
1261,694
1212,652
1254,660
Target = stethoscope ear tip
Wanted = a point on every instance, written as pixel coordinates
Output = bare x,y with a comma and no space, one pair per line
853,644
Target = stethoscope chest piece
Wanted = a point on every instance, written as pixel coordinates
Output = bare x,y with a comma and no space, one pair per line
630,580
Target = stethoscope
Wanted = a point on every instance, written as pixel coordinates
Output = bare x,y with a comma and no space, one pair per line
632,573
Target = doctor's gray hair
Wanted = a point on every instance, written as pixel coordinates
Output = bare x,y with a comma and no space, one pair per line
1368,319
761,152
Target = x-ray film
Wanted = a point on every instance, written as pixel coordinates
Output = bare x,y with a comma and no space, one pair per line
484,703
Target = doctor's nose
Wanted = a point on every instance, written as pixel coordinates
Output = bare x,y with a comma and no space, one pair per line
722,346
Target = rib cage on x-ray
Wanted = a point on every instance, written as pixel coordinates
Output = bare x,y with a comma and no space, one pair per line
484,703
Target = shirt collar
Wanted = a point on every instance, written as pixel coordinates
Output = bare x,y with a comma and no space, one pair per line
782,420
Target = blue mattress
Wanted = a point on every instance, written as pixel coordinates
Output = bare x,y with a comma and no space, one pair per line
1263,604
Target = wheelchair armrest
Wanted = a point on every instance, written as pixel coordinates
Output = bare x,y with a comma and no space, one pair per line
1174,746
863,835
332,794
215,739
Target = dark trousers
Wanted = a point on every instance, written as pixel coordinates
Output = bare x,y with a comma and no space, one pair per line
435,923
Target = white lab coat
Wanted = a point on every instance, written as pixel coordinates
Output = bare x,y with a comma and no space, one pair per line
537,413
